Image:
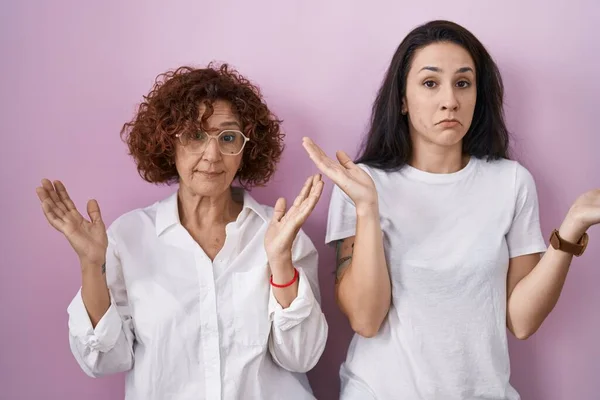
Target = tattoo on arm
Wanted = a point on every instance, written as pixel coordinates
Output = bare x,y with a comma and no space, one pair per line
343,262
103,268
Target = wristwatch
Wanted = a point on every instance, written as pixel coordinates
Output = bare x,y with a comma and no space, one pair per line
576,249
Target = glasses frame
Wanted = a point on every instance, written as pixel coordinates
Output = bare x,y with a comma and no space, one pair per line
216,137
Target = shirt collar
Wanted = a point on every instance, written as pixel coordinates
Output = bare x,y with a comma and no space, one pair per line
167,213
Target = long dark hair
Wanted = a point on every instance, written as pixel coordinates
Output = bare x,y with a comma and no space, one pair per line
388,146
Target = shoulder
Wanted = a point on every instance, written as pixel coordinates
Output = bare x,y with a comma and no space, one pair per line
509,168
510,177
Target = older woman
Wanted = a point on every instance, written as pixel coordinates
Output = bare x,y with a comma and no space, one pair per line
206,294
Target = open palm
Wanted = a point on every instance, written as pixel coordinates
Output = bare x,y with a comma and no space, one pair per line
284,225
353,180
88,238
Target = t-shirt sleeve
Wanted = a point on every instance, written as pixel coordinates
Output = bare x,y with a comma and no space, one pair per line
525,234
341,218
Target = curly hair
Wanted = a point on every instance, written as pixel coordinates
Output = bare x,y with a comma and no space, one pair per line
172,107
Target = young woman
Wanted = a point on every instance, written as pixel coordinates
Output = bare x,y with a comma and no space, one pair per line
438,232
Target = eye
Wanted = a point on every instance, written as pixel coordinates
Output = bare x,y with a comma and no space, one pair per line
228,137
198,136
463,84
429,84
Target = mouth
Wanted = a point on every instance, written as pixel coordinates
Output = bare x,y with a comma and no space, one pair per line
209,174
448,122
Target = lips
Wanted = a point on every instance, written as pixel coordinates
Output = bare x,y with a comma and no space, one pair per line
209,174
448,121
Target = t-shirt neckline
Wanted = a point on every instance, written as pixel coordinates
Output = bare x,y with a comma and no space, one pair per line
430,177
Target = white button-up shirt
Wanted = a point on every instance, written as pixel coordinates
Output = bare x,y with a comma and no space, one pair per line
185,327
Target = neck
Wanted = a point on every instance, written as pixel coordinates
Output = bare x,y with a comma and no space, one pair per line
205,211
436,159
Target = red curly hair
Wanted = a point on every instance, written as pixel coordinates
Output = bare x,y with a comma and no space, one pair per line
172,107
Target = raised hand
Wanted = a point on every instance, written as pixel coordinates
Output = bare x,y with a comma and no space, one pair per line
285,225
584,213
354,181
88,238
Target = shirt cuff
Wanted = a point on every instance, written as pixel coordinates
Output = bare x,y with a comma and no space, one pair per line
104,337
300,308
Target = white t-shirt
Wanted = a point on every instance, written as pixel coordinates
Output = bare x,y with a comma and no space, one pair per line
448,239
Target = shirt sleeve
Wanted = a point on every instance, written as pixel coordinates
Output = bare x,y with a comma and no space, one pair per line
341,218
525,234
107,348
299,332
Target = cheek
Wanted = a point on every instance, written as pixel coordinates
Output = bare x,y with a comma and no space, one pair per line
185,164
468,105
422,115
422,107
233,164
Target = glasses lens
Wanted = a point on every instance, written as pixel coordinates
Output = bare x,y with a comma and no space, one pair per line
231,142
195,141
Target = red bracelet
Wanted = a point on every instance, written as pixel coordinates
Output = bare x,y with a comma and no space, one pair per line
290,283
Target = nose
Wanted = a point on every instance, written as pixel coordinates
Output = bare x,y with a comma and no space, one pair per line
212,152
449,101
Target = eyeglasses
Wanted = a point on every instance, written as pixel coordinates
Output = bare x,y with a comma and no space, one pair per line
230,142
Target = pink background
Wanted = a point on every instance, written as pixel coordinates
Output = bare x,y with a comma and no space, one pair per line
73,71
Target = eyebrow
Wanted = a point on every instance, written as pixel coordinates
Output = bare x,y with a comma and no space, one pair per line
229,124
458,71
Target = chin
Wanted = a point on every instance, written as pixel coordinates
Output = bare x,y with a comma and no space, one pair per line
449,138
208,187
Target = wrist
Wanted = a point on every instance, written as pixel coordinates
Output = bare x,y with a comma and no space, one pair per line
281,264
283,276
572,229
89,267
367,210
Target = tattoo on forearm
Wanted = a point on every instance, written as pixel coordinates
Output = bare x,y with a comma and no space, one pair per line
103,268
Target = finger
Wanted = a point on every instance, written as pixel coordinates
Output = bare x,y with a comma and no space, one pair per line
93,210
56,222
310,203
64,196
46,200
304,192
279,210
317,189
46,184
313,150
344,159
330,168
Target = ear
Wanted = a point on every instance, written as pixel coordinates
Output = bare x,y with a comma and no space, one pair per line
404,108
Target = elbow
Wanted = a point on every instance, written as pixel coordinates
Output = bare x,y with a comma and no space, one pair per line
298,363
313,357
523,332
367,322
302,353
303,368
367,328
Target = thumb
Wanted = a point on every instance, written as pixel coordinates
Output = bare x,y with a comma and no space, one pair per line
344,159
279,210
93,211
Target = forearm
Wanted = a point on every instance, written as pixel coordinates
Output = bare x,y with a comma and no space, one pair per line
299,336
283,272
364,289
94,291
536,295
